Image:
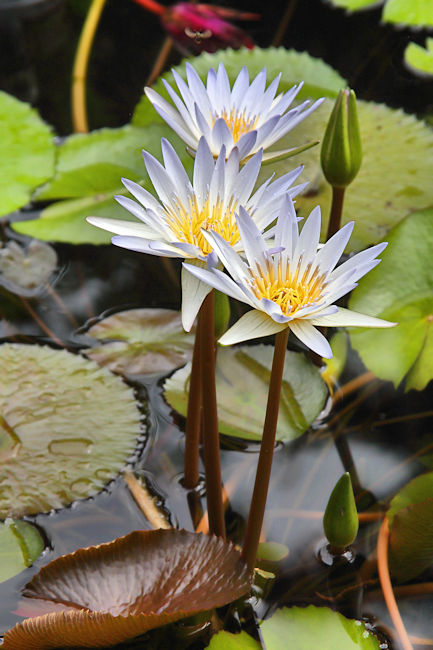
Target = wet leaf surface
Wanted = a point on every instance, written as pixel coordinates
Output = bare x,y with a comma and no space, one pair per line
26,270
228,641
67,427
242,379
141,341
20,544
136,583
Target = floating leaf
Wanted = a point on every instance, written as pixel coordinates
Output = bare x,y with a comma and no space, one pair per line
315,627
420,58
353,5
67,427
136,583
141,341
400,289
242,381
20,544
88,175
272,551
409,12
26,270
419,489
26,153
228,641
319,78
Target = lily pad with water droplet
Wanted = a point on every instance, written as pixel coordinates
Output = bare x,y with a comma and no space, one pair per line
141,341
134,584
242,381
26,270
316,627
20,544
63,419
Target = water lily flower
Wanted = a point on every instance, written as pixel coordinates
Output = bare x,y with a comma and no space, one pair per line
292,284
173,226
246,116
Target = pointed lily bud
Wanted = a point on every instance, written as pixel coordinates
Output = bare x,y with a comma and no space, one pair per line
341,153
340,521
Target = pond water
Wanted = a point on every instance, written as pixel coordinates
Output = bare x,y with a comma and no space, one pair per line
382,435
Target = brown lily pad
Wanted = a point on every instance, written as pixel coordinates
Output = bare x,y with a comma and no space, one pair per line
141,342
124,588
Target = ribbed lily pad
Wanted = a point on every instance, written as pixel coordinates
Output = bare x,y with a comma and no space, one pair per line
26,153
67,427
88,175
228,641
400,289
141,341
20,544
319,78
418,58
26,270
134,584
316,627
242,381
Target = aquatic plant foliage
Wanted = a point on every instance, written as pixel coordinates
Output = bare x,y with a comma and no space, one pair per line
20,544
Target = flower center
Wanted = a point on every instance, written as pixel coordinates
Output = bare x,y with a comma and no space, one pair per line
238,123
290,291
187,222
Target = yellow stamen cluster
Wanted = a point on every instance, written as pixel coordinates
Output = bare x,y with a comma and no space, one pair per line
293,293
187,222
238,123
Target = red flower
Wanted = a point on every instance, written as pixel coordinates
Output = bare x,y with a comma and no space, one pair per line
199,27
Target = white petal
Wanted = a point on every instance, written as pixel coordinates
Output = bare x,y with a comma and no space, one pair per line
254,245
246,144
240,87
218,280
172,117
203,170
199,91
252,325
142,195
330,253
119,227
311,337
176,170
194,291
221,135
145,246
348,318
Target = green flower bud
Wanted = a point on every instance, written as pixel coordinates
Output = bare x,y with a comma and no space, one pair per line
221,313
341,153
340,521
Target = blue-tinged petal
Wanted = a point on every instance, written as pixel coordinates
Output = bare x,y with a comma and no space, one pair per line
183,111
240,87
328,256
176,170
288,124
359,260
221,135
269,96
274,311
202,124
203,169
198,90
217,280
173,119
194,291
223,85
282,102
254,94
120,227
217,183
185,92
311,337
247,177
211,88
142,195
246,143
253,243
161,180
254,324
229,258
308,241
348,318
145,246
156,221
264,131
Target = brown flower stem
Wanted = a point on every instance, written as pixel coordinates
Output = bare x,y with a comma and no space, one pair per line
211,449
193,417
385,583
336,211
263,474
160,62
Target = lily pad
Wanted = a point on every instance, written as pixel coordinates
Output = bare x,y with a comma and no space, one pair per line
319,78
416,13
228,641
316,627
26,270
20,545
141,341
242,381
400,289
86,181
418,58
26,153
136,583
67,427
417,490
354,5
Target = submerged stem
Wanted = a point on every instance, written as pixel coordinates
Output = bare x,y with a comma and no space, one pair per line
193,417
336,211
264,466
211,447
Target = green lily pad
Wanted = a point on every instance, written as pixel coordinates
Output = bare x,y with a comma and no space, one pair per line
418,58
242,380
67,427
409,12
86,181
26,153
228,641
319,78
20,545
400,289
141,341
315,627
419,489
354,5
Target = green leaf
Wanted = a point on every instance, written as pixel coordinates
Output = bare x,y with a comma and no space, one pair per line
335,365
67,427
272,551
88,175
420,58
141,341
20,545
419,489
409,12
400,289
319,78
26,153
228,641
315,627
242,380
411,540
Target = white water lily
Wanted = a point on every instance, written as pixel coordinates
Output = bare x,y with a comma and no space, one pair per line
173,226
247,116
293,284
